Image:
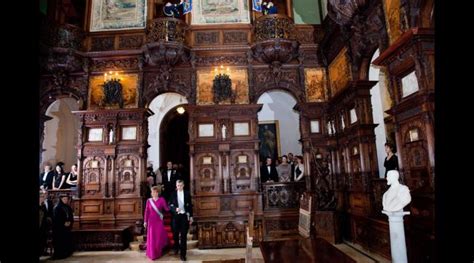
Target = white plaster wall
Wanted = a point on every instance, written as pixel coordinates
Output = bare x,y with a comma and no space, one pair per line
378,114
278,105
60,133
160,105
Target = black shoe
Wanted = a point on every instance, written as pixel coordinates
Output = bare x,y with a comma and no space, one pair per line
183,258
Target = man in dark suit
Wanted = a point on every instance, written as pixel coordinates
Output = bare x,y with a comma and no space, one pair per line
268,171
46,178
62,226
46,220
181,208
168,179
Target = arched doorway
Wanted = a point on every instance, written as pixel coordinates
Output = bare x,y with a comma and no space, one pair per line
174,139
379,99
278,119
60,133
168,132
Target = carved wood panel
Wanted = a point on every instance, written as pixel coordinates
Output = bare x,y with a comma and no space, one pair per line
243,174
127,174
207,176
93,176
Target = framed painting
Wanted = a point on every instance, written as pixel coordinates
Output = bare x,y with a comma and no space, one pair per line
269,136
209,12
107,15
315,84
130,83
95,135
206,130
339,72
409,84
241,128
129,133
314,126
392,18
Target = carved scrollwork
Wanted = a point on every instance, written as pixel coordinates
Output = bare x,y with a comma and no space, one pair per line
127,173
93,173
342,12
166,29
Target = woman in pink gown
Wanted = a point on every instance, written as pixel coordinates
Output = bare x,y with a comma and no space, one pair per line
156,238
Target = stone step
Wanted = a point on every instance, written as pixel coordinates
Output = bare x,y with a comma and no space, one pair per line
192,244
190,236
135,246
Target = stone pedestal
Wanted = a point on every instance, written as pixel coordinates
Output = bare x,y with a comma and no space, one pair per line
397,236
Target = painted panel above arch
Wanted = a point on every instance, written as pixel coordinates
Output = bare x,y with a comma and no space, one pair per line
307,12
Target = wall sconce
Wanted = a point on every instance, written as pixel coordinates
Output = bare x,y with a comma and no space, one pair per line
222,85
112,89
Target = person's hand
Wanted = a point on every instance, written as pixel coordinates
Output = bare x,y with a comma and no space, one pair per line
67,223
190,220
177,209
144,225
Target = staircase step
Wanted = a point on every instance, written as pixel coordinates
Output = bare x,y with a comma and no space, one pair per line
135,246
192,244
190,236
140,238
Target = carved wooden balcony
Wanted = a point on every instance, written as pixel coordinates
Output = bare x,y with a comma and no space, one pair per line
282,196
275,39
62,36
165,42
59,47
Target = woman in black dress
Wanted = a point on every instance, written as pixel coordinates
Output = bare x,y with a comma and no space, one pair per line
391,161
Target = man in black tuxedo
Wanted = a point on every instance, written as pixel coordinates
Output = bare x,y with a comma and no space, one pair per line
46,220
46,178
62,226
268,171
168,179
181,208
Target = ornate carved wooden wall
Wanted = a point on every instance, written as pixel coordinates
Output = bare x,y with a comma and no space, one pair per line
413,116
224,172
112,159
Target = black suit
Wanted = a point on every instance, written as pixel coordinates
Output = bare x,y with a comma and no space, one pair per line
265,176
169,185
46,219
181,221
48,183
62,235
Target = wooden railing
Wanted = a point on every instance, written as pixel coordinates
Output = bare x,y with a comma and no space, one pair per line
165,29
274,26
282,195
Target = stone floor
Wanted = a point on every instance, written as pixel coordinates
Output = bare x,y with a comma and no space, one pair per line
193,255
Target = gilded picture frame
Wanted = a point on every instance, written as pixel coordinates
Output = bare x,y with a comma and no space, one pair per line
315,82
269,136
211,12
108,15
129,83
340,73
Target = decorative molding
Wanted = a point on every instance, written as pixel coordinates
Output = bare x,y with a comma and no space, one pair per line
102,43
115,64
130,42
206,38
235,37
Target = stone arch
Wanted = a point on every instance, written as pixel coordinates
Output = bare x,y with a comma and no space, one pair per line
297,93
160,105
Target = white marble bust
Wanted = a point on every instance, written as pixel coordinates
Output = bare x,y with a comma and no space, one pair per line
397,196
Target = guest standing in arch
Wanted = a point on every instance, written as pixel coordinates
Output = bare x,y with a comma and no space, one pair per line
391,161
